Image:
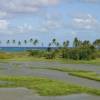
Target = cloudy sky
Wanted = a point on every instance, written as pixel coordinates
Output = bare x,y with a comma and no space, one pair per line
47,19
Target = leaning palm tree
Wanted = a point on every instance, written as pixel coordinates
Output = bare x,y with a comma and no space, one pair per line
35,42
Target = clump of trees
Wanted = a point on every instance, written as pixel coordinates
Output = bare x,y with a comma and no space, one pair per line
81,50
81,53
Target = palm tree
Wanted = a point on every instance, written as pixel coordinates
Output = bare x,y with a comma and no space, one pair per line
66,43
19,42
49,45
57,44
96,43
86,43
54,41
0,41
35,42
14,41
75,42
8,41
25,41
31,40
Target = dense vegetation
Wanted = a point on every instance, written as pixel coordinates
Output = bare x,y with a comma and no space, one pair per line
46,87
81,50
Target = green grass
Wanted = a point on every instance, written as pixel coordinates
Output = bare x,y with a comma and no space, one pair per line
80,73
24,56
46,87
66,61
88,75
65,69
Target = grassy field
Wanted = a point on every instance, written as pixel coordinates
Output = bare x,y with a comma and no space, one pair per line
80,73
66,61
88,75
24,56
46,87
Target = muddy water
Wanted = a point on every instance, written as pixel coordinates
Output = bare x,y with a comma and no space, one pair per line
25,94
23,69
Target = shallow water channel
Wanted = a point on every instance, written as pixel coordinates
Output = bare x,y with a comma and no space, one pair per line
25,69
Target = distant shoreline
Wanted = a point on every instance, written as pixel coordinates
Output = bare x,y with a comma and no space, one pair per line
19,49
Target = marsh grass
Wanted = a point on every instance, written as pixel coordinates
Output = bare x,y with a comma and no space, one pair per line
79,73
24,56
87,75
46,87
67,61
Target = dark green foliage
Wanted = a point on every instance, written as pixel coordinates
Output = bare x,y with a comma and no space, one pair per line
81,50
36,53
97,43
81,53
50,55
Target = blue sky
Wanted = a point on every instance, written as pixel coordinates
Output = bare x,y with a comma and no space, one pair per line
47,19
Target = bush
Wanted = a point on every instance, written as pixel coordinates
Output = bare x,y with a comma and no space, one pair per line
50,55
82,53
36,53
5,55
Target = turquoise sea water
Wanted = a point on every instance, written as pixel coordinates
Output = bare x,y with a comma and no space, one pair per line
18,49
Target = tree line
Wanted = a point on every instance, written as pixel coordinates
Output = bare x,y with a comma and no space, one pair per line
55,43
81,50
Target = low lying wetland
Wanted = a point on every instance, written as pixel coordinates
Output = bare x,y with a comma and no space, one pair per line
46,87
79,73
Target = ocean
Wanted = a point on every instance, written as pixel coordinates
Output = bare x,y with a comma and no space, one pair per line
19,49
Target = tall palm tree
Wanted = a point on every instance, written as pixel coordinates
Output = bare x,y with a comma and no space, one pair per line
54,41
31,40
0,41
35,42
96,43
49,45
86,43
14,41
19,42
66,43
25,41
75,42
57,44
8,42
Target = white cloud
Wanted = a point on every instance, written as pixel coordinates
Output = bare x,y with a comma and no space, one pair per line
25,28
53,21
2,14
84,1
3,24
84,22
25,6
